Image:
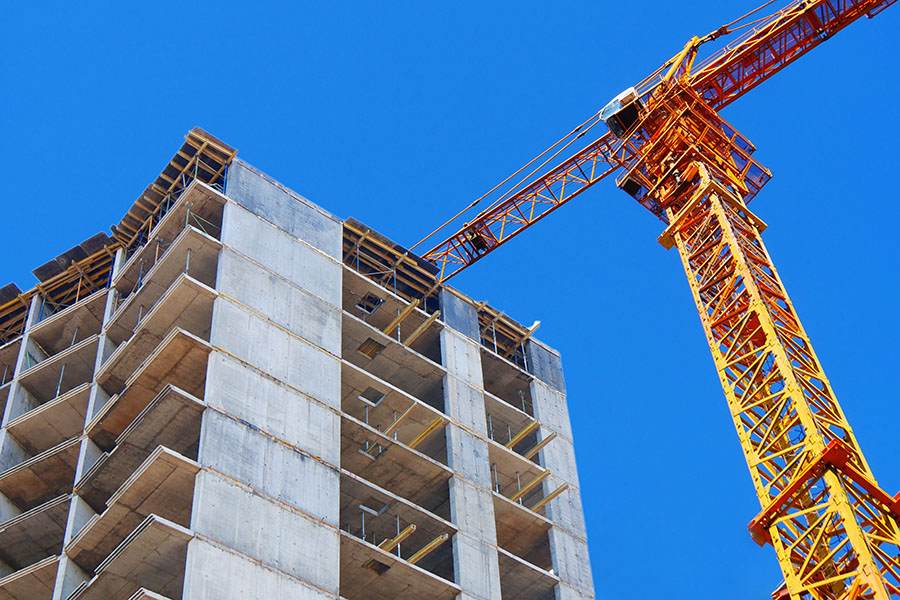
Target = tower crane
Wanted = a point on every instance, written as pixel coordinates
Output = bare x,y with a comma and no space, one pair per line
834,530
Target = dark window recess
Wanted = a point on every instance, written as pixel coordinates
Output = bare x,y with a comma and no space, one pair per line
369,303
376,566
370,348
371,395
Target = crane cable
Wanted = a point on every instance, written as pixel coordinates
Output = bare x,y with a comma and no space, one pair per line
723,30
522,181
519,170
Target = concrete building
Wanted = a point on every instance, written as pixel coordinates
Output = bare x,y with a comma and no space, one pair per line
239,395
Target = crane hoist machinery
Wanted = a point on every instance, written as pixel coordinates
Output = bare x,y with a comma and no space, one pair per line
834,530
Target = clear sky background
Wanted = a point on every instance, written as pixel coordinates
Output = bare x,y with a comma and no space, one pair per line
399,114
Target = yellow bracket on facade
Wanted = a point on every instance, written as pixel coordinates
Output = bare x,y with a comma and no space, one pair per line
403,314
393,427
359,242
546,499
428,548
390,544
521,435
421,328
540,446
530,486
426,432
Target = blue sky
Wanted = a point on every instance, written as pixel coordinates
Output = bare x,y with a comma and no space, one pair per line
399,114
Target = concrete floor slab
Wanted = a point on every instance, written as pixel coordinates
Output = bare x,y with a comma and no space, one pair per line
507,381
398,580
385,508
171,265
151,557
171,404
163,485
43,380
145,594
32,583
414,416
513,471
34,535
204,202
74,323
405,472
522,580
42,477
522,532
503,413
394,362
53,422
179,360
358,287
186,305
171,420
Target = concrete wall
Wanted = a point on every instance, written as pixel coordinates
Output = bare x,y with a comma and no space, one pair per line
568,537
475,558
266,502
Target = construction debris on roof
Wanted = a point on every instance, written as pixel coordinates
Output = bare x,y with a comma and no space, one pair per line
412,277
86,267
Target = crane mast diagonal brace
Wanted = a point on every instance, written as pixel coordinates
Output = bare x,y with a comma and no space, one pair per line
833,537
835,532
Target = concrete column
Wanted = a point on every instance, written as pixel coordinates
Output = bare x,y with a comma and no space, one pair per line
68,577
266,504
475,557
11,453
568,537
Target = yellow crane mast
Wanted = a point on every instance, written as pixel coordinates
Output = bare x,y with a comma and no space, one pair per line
834,530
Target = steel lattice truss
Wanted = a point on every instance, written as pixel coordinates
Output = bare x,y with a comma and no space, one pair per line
726,75
834,537
835,531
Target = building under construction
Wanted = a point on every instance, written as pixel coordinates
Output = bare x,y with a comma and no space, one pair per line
239,395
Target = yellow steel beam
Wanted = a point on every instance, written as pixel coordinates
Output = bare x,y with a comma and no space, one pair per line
546,499
403,314
421,328
521,435
426,432
428,548
390,544
539,446
530,486
393,426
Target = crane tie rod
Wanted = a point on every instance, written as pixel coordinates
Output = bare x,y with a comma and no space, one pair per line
725,29
519,170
